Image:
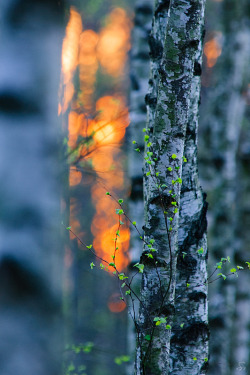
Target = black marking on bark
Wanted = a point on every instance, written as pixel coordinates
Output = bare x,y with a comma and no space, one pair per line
162,8
23,284
197,69
144,9
17,104
136,188
134,82
197,296
150,100
156,48
190,334
187,266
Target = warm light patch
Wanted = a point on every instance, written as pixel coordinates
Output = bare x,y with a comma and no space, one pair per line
99,126
212,51
115,304
114,42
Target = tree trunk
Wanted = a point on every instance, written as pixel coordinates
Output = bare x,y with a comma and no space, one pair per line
173,67
31,37
222,116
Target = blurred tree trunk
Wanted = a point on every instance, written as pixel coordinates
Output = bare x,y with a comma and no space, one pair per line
139,68
30,269
222,119
173,94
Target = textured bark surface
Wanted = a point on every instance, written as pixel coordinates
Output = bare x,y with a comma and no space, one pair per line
191,308
171,84
30,38
222,119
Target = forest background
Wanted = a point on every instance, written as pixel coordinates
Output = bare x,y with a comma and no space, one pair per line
96,51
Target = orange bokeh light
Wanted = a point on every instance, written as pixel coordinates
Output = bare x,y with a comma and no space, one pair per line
212,51
104,132
115,304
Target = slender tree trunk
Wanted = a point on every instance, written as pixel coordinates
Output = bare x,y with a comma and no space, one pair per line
31,37
172,71
190,331
222,116
139,68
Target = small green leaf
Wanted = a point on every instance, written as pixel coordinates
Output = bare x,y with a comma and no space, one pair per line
222,275
150,256
134,142
123,285
108,193
102,266
194,358
89,246
146,138
188,285
149,144
92,265
174,203
137,149
175,210
68,228
119,211
233,270
112,265
182,325
120,201
148,337
148,174
152,241
174,156
128,292
206,359
240,268
134,222
184,254
169,169
248,264
200,251
168,326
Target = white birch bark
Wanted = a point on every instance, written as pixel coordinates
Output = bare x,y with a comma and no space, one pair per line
223,114
167,132
189,342
30,39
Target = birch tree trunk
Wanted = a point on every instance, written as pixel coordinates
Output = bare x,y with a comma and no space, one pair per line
172,70
30,39
222,116
139,68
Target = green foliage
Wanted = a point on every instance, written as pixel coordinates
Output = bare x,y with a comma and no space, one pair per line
140,267
121,359
92,265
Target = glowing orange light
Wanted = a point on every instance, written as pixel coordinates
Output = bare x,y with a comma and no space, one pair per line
212,51
115,304
104,133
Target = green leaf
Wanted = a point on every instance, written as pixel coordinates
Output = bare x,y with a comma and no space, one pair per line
137,149
108,193
206,359
134,222
222,275
174,203
119,211
123,285
148,337
92,265
146,138
188,285
120,201
149,144
128,292
148,174
169,169
112,265
179,180
68,228
134,142
168,326
248,264
194,358
102,266
150,256
140,267
184,254
200,251
152,241
233,270
240,268
175,210
89,246
182,325
174,156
